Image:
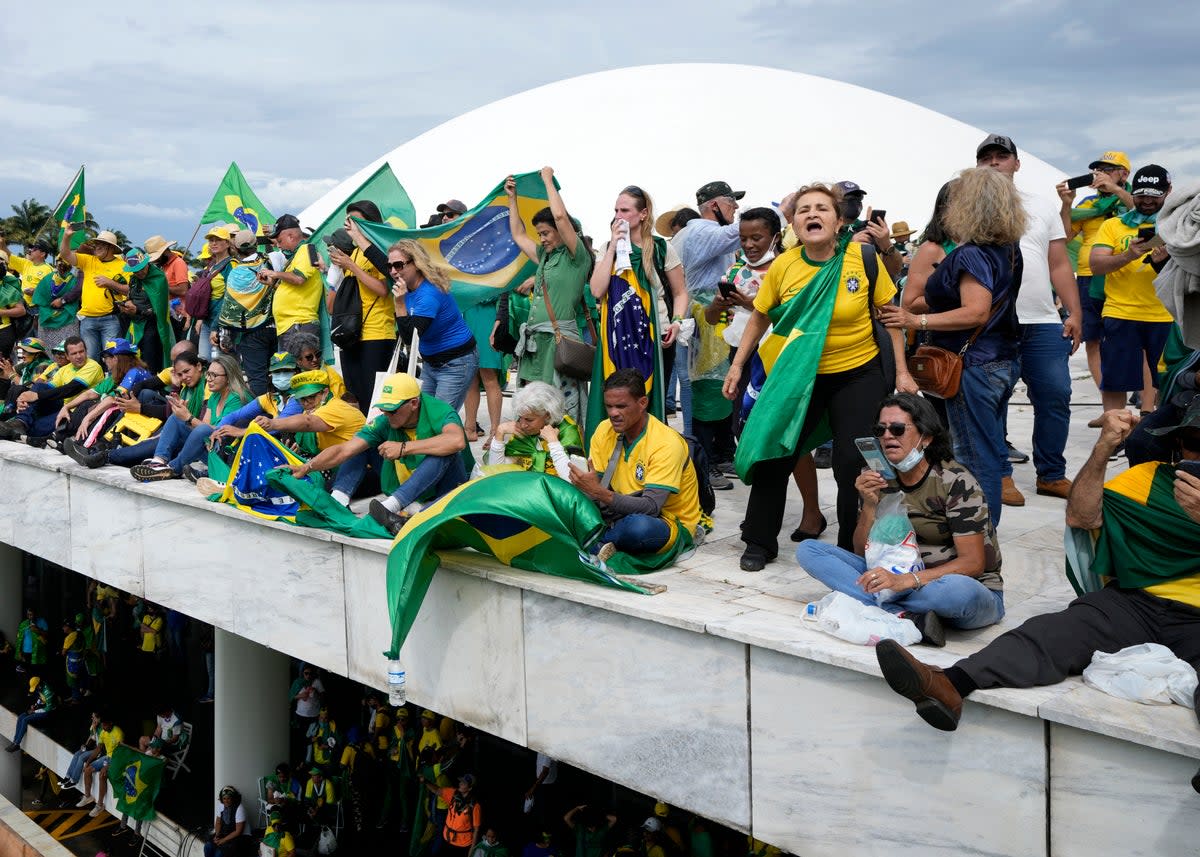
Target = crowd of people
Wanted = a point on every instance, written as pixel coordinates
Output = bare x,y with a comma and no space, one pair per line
701,308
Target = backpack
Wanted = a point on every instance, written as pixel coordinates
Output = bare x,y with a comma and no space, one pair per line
199,294
883,339
346,319
708,497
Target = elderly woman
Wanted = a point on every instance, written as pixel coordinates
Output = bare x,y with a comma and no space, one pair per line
960,584
971,301
824,284
540,436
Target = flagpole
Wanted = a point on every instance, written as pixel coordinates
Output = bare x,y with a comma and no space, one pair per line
61,200
196,232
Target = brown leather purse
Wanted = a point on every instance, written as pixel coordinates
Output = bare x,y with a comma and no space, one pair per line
938,371
573,358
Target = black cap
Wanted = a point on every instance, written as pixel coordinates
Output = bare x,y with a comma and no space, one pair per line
1151,180
850,188
340,239
286,221
716,190
43,245
455,205
996,141
1190,420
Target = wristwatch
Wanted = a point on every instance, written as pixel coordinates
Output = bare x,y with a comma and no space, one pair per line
890,251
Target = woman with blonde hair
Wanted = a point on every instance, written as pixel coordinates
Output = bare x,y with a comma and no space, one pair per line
421,288
628,282
971,299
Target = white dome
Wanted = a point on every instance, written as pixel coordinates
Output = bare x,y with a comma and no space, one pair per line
672,128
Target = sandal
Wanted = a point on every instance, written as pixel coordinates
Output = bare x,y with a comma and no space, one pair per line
798,535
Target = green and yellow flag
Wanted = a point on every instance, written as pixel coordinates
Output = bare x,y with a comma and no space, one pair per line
135,779
790,356
235,201
383,189
72,208
477,248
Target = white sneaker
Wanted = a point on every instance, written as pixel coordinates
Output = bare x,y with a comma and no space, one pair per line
84,801
96,810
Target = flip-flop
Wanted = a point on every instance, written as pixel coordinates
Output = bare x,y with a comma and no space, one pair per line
798,535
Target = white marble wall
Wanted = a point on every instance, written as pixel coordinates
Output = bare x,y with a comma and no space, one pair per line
841,765
32,518
1112,797
659,709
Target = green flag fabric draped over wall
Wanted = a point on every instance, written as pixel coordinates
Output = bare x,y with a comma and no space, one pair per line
236,201
72,208
477,248
383,189
135,779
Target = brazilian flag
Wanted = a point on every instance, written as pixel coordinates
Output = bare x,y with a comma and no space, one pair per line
135,779
235,201
527,520
382,188
477,248
72,208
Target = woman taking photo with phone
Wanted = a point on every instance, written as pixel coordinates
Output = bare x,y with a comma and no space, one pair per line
628,285
816,386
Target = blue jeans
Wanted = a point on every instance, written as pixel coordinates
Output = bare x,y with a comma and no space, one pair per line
1044,370
40,418
96,331
23,721
179,445
685,386
449,381
977,415
441,473
637,534
350,473
960,601
75,769
127,456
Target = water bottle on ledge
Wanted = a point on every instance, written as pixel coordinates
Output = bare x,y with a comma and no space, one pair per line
397,694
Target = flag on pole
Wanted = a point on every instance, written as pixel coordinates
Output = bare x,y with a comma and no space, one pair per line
135,779
477,248
72,208
381,188
235,201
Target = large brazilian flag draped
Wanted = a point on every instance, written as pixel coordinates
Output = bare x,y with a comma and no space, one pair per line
135,778
790,356
381,188
236,201
477,248
526,520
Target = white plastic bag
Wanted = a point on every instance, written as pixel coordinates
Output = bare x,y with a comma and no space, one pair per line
892,543
1148,673
851,620
327,842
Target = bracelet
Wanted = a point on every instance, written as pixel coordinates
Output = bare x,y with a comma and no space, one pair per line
890,251
917,579
403,444
676,318
924,321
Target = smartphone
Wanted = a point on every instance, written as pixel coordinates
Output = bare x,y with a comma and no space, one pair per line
580,462
726,288
1189,466
1145,233
1076,182
1155,241
872,453
879,215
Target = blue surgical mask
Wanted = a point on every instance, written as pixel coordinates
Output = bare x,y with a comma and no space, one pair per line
908,462
281,381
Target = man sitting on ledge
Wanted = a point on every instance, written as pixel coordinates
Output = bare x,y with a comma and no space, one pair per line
38,407
1148,522
640,474
421,439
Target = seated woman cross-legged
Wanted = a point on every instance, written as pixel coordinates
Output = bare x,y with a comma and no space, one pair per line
960,584
539,437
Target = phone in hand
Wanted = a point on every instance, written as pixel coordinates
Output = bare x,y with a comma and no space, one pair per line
1145,233
726,288
1189,466
872,453
879,215
1076,182
580,462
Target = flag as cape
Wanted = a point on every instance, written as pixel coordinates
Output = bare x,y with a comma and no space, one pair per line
477,248
135,779
50,288
72,208
629,338
381,188
790,356
234,201
157,290
526,520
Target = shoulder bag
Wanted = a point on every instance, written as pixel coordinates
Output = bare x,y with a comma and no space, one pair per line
572,357
938,371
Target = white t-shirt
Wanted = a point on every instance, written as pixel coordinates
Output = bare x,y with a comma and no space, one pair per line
1035,301
311,706
544,761
169,727
239,816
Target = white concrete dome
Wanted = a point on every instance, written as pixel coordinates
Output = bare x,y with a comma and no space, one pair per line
672,128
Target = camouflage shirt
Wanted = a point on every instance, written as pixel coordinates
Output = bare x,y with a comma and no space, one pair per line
948,502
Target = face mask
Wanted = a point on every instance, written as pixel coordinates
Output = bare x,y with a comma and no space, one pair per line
851,209
764,258
908,462
720,216
281,381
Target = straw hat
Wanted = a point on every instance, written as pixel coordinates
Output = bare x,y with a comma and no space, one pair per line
900,230
662,223
108,238
156,245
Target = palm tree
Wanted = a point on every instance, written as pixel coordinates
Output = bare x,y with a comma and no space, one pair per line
28,217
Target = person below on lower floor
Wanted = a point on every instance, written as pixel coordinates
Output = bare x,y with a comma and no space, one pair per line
1146,521
640,475
960,583
417,443
42,704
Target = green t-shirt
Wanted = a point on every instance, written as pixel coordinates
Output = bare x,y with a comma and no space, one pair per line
563,277
434,416
232,402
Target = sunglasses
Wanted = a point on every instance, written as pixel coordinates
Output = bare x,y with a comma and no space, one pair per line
1105,168
398,266
897,429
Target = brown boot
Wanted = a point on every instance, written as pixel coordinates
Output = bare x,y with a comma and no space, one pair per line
1060,488
1010,495
938,703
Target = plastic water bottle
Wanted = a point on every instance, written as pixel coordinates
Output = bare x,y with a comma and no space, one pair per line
812,611
397,693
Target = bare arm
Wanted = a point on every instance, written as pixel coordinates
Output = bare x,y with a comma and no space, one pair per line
451,440
562,220
755,328
921,267
1062,278
975,310
515,225
602,273
1085,504
1104,261
65,253
299,422
332,457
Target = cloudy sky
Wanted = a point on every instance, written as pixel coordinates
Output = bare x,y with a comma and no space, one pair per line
157,98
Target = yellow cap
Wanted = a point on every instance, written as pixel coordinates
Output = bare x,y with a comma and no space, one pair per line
33,683
221,232
1116,159
310,382
397,390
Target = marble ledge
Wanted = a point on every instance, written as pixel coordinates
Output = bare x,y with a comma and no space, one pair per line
1171,728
